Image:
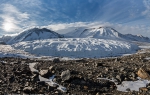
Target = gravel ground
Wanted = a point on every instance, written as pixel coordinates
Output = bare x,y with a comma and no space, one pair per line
80,77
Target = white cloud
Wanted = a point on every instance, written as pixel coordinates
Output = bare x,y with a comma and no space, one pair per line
12,18
29,3
63,28
147,5
60,26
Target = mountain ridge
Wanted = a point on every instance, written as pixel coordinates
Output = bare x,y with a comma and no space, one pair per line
80,32
105,33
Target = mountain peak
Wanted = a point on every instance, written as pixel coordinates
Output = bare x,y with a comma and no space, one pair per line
100,32
35,34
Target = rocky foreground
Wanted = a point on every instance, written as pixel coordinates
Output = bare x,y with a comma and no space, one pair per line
80,77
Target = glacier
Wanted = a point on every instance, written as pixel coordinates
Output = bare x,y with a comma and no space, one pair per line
77,47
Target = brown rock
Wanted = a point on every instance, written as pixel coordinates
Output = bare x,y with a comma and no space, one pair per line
51,68
85,87
65,75
28,90
143,89
43,72
142,73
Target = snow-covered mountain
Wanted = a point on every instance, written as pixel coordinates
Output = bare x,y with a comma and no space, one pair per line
35,34
135,37
100,32
81,32
83,42
104,33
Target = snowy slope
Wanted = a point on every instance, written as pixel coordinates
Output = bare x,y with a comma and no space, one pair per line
76,47
5,38
35,34
8,51
104,33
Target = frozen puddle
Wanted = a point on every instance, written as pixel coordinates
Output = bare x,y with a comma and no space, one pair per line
132,85
48,81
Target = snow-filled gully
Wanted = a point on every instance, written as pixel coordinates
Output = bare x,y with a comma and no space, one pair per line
48,81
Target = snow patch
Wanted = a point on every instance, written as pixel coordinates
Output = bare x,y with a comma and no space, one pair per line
132,85
9,51
31,66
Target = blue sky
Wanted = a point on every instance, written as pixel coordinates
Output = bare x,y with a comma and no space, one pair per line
126,16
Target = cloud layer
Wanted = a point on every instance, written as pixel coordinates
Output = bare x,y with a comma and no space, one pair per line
63,28
12,18
127,16
147,5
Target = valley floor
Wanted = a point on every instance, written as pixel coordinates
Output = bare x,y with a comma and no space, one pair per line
79,77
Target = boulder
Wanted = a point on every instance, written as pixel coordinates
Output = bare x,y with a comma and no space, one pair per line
43,72
65,75
56,60
28,90
142,73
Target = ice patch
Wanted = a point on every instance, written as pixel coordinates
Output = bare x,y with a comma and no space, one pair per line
132,85
148,58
